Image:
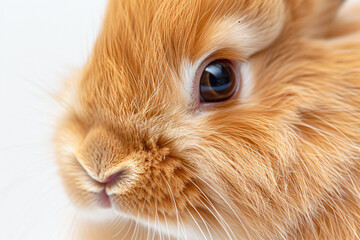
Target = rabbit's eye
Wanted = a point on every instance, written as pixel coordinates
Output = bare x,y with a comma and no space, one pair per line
218,81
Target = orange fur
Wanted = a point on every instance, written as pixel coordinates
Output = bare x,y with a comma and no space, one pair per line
282,164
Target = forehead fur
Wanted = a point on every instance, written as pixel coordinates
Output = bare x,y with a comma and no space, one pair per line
180,28
142,44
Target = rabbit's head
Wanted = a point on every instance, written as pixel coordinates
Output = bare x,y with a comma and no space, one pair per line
216,118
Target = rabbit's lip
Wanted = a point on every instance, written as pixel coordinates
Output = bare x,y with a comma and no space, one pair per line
104,199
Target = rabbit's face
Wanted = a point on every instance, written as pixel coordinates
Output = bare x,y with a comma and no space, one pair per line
190,113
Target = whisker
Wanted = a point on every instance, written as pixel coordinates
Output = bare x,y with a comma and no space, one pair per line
225,201
226,227
201,217
174,203
197,224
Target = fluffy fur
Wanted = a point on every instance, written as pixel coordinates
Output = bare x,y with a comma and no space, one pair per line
281,164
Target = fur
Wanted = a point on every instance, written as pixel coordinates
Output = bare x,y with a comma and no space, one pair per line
280,161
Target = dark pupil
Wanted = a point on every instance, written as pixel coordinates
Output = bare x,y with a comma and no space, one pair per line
217,82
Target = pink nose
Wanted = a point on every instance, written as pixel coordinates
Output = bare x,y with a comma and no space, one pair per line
112,178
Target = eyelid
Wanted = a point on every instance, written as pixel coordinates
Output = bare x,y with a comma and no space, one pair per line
189,71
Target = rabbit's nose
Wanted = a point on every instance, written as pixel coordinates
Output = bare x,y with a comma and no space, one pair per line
102,178
112,178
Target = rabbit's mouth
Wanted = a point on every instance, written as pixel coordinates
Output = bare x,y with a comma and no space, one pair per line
104,199
164,198
153,184
162,187
169,212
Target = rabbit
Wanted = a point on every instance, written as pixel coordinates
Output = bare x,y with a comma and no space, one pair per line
221,119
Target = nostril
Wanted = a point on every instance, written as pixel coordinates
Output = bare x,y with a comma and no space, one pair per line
113,177
100,180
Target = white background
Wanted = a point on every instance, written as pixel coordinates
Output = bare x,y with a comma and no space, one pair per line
41,42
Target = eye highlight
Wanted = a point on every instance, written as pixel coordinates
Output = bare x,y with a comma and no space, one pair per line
218,81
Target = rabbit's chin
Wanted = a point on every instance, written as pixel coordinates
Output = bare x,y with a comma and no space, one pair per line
97,214
114,214
179,225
